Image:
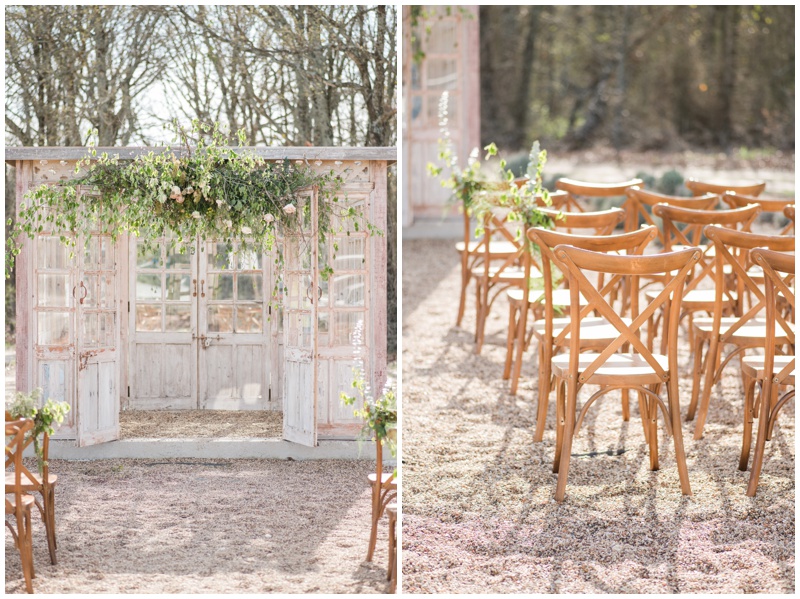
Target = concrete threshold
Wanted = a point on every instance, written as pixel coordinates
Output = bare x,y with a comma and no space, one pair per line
211,448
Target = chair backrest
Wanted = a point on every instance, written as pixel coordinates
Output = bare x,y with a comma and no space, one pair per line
674,266
587,189
640,202
633,243
774,205
602,222
684,227
788,212
698,187
15,446
779,273
733,248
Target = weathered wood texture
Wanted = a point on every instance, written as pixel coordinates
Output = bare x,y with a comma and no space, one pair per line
356,292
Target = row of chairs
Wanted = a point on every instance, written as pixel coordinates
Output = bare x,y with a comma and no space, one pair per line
21,485
684,221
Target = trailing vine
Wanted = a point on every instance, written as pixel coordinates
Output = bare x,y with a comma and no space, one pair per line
208,189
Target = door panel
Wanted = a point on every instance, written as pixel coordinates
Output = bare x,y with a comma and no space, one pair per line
300,326
233,338
163,324
98,343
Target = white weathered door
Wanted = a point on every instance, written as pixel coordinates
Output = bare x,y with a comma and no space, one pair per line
301,294
233,340
96,294
163,293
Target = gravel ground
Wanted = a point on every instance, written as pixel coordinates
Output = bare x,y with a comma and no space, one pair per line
174,424
479,513
213,526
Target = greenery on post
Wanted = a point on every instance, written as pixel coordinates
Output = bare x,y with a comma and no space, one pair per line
46,419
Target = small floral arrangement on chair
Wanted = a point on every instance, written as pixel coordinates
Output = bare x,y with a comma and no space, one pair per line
379,413
46,419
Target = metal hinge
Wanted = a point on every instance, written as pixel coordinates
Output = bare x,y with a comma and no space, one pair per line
129,391
129,306
269,394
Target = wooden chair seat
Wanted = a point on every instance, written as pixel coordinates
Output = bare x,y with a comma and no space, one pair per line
753,366
498,247
632,367
755,331
593,330
27,501
28,485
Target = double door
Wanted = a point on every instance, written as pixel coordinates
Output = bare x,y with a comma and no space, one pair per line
200,328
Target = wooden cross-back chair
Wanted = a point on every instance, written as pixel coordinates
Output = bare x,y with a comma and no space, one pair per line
698,187
471,250
384,491
45,485
744,330
640,203
596,332
590,190
635,367
771,205
770,371
683,227
18,503
520,303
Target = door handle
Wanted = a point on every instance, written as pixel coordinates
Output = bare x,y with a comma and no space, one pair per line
85,292
202,287
308,293
194,282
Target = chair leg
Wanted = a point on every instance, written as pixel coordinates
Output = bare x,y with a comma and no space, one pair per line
712,363
560,418
652,426
511,339
677,434
643,411
566,445
761,438
50,521
483,310
545,355
376,515
465,276
522,325
697,373
747,432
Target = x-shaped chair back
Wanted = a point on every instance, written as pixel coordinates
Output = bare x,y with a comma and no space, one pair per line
690,234
701,187
776,205
779,273
577,189
601,222
16,431
578,260
788,212
640,203
733,248
631,243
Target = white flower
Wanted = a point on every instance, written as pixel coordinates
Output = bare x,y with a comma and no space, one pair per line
220,202
179,199
188,190
176,192
228,223
247,230
289,209
195,214
269,218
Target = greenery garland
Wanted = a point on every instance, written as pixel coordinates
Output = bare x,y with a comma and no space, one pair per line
210,190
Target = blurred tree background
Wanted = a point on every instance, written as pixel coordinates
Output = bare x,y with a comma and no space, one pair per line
638,77
287,75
